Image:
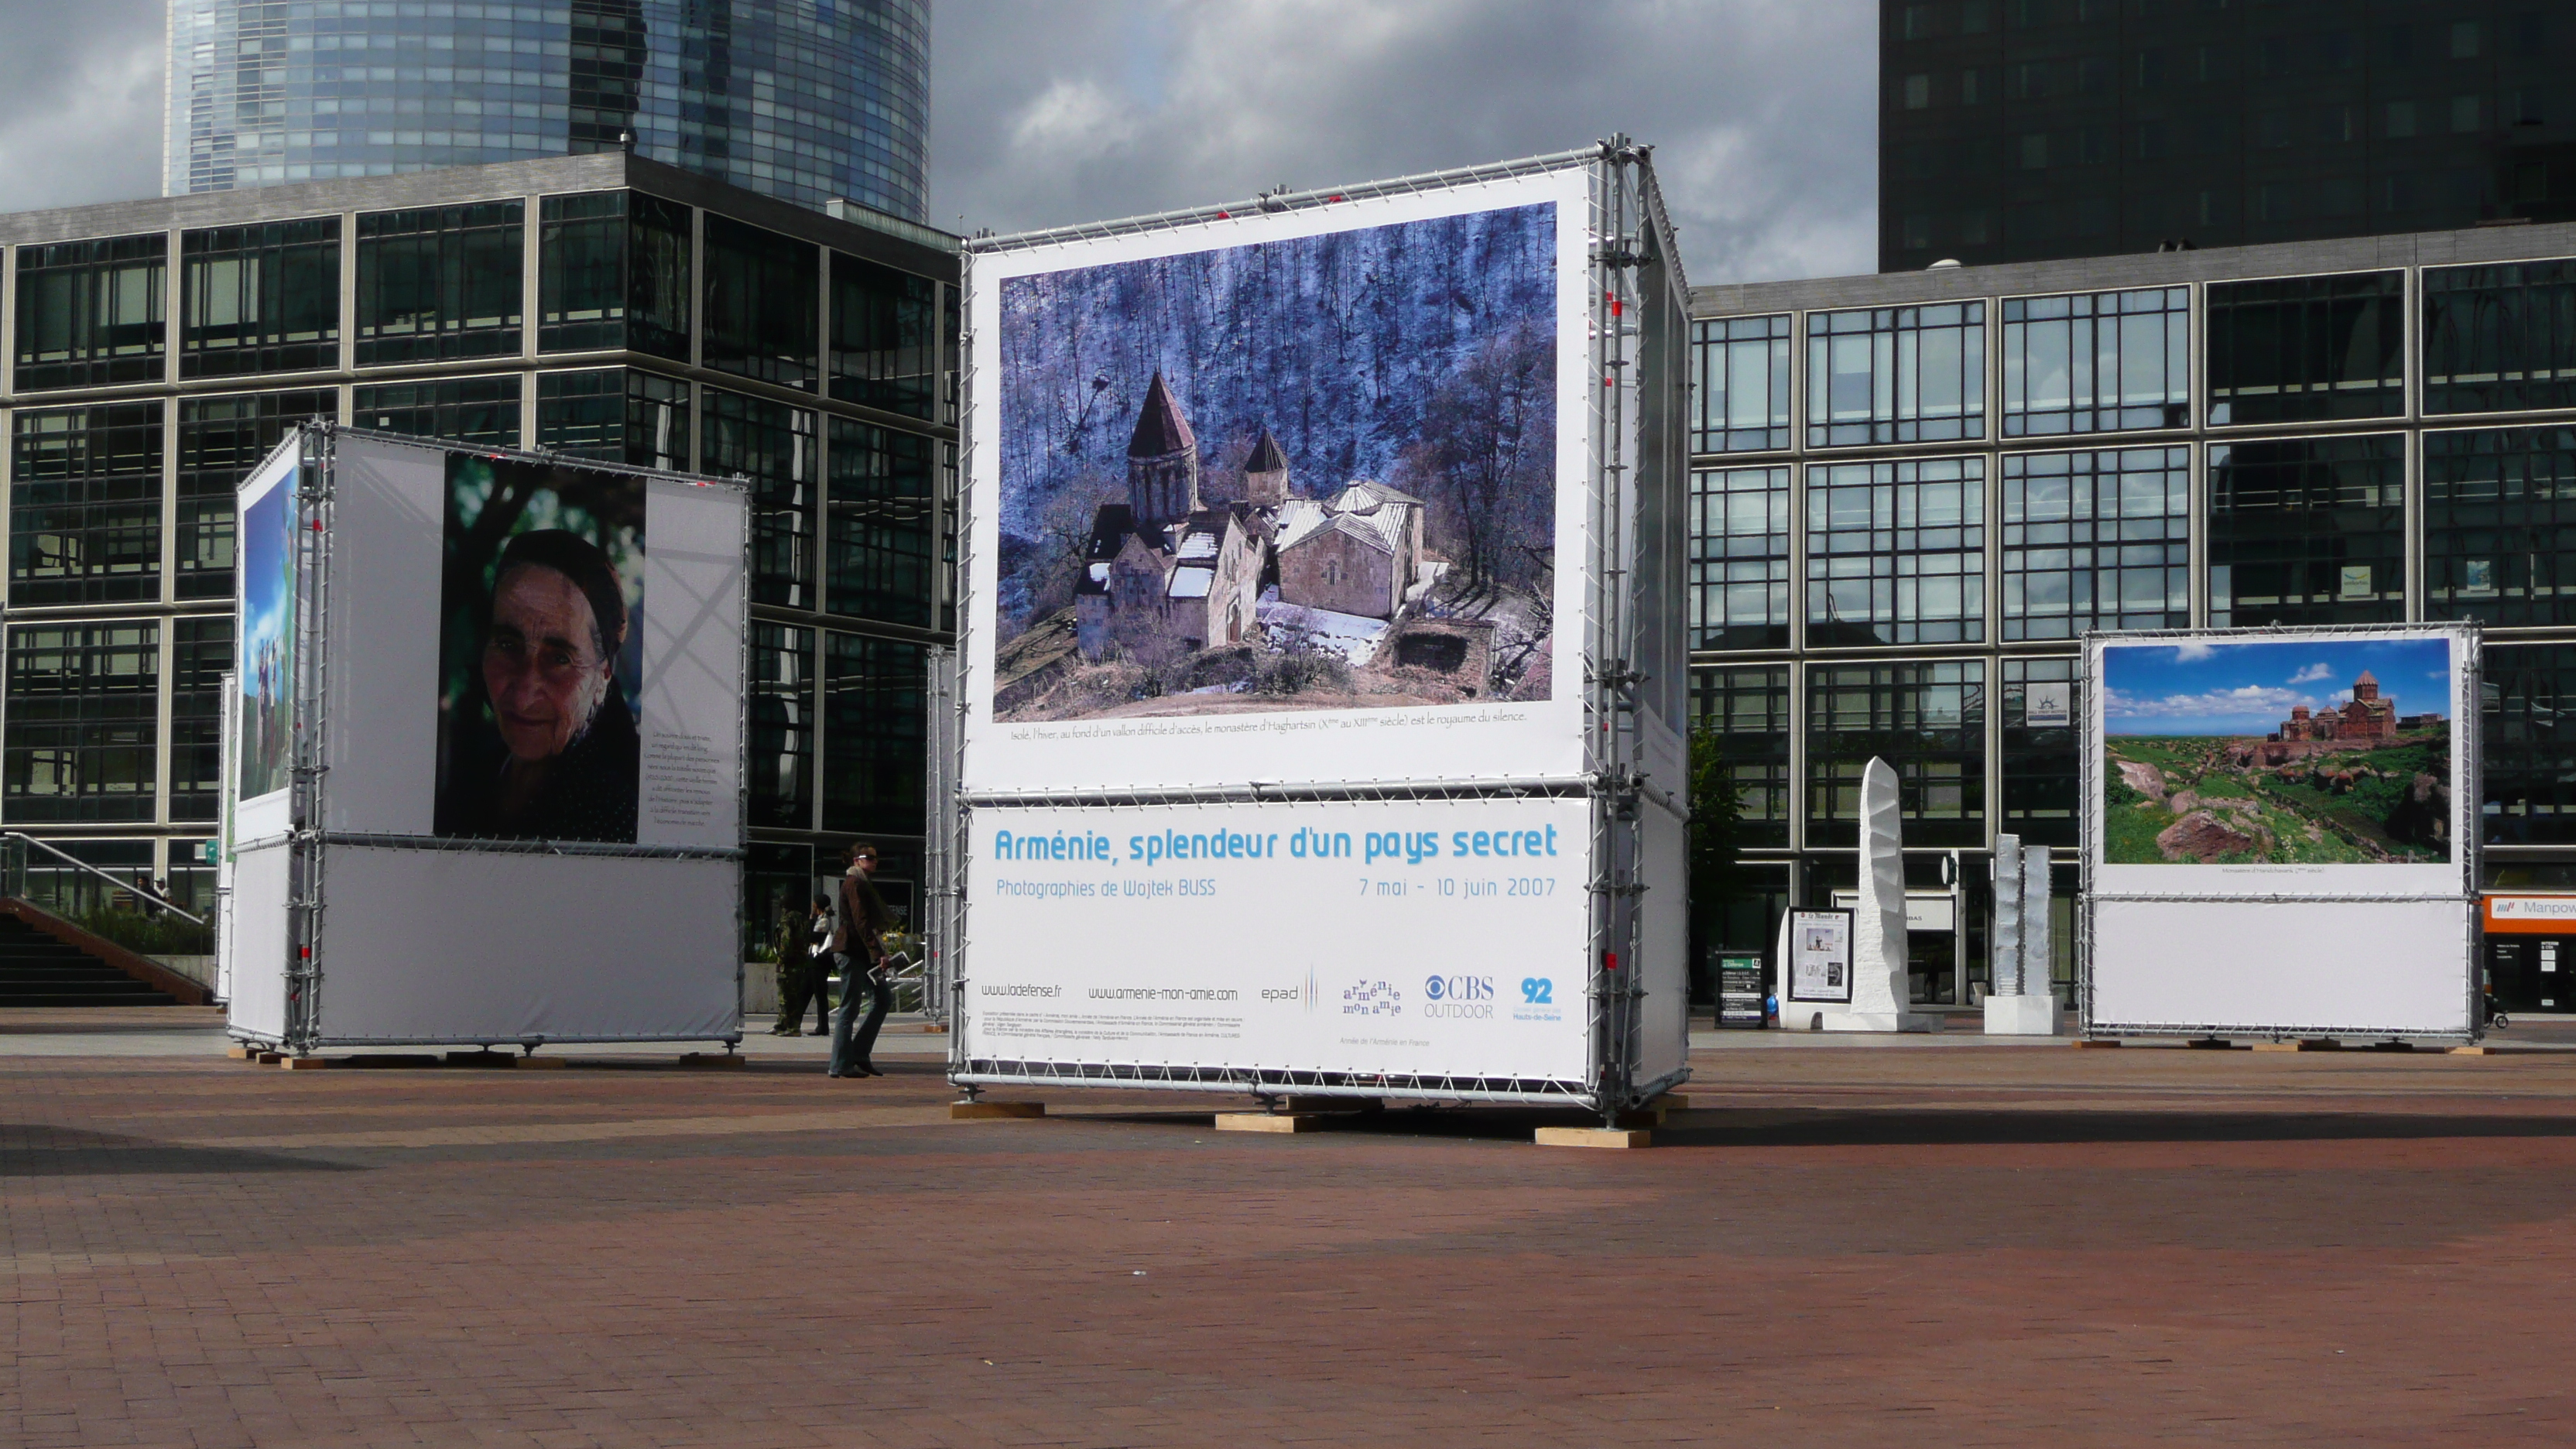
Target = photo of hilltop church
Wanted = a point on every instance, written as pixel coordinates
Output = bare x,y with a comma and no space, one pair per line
1309,474
1174,569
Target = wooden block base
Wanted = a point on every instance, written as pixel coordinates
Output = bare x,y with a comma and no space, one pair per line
2473,1051
241,1053
304,1064
2093,1043
1269,1122
2320,1044
2211,1044
981,1111
709,1059
1594,1137
545,1064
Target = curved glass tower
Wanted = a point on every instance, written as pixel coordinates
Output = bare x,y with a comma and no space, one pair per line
807,100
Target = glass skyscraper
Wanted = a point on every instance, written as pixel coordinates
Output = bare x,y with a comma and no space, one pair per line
806,100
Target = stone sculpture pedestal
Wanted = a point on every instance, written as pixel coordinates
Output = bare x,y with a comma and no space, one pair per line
2021,1016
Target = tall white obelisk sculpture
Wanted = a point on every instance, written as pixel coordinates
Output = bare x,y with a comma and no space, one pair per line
1879,993
2020,1003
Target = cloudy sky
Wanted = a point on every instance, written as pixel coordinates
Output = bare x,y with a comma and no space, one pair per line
1051,111
2225,689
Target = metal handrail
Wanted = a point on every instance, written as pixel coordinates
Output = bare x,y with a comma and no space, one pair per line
147,897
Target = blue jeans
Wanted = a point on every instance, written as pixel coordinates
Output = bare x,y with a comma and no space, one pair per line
846,1054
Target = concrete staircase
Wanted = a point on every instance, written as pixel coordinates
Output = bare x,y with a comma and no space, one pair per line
38,970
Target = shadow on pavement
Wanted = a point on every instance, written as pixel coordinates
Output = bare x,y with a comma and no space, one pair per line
70,1152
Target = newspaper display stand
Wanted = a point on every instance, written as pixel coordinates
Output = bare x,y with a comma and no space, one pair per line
1216,804
2280,833
483,759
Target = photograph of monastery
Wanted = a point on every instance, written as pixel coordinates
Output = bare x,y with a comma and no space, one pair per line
2277,752
1309,474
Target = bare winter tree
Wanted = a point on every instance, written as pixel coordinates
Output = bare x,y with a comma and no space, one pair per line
1490,437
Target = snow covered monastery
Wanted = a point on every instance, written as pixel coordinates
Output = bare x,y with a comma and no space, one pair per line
1172,571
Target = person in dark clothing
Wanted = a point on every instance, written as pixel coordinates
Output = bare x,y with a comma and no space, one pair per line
546,748
794,970
818,964
858,943
805,968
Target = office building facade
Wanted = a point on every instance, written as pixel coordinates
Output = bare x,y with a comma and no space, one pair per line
601,306
811,101
2022,130
1914,492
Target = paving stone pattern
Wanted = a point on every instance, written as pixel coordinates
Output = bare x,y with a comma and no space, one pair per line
1974,1245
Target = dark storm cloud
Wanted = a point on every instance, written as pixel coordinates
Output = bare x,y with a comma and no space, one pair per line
80,101
1762,112
1048,111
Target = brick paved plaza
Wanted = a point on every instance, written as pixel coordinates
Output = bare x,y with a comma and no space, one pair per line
1934,1243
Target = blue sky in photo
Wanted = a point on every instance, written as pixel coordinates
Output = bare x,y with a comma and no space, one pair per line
2203,687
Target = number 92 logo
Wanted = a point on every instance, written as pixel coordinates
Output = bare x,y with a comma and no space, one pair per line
1538,991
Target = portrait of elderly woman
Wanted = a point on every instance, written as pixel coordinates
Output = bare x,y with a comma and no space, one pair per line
537,715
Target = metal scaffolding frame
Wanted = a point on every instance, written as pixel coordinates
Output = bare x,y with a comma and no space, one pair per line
1631,266
308,845
2466,834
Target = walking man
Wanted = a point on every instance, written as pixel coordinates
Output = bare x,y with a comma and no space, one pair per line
858,942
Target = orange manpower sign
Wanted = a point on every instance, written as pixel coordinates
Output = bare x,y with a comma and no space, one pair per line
2532,915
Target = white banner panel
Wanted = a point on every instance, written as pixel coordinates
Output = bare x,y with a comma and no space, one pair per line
2276,763
383,635
2300,968
440,689
693,686
256,930
1663,945
1291,497
1423,937
453,945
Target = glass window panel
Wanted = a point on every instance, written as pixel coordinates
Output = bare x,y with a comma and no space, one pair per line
617,415
221,439
772,445
883,350
83,722
2039,764
761,304
201,649
481,410
2307,531
1748,711
85,504
1739,560
2529,743
2499,519
2095,362
613,272
878,518
1926,720
260,298
2500,338
1742,369
440,283
2307,348
1896,375
90,313
873,734
1896,552
2096,540
782,726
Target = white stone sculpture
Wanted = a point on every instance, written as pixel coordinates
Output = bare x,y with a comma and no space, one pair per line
2003,973
1879,992
2031,1008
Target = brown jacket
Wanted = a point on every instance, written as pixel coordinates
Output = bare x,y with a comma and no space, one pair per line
863,915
